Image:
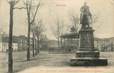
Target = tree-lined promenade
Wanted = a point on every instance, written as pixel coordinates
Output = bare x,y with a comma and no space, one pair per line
31,55
31,16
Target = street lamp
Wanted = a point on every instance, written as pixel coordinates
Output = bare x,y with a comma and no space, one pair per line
10,48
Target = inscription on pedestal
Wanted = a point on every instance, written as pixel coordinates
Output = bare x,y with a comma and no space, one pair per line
86,38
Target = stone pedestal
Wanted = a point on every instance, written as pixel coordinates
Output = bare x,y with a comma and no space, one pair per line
86,54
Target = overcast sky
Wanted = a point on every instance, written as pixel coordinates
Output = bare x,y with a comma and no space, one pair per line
61,9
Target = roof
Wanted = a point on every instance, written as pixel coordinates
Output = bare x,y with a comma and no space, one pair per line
70,35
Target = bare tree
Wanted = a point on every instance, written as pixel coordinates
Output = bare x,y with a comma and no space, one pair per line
75,22
58,30
38,30
30,19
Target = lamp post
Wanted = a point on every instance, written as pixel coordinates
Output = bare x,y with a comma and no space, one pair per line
10,48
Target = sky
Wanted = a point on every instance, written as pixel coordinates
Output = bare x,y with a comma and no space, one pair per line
51,10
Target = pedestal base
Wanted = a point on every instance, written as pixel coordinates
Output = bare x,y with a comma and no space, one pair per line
88,62
84,54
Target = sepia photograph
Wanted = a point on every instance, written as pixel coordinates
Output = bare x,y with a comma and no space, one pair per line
56,36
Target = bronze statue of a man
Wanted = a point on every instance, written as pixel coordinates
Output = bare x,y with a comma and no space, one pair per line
85,16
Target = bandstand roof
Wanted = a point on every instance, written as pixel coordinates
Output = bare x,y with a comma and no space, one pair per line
70,35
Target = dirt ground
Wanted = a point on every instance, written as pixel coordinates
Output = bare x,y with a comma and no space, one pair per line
57,63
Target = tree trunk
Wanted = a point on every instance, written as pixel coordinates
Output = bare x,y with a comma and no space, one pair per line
38,43
33,44
61,42
58,43
10,51
28,40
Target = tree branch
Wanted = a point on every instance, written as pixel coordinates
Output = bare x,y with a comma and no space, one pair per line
16,1
19,7
35,12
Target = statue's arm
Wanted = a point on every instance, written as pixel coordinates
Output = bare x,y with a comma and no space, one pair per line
90,15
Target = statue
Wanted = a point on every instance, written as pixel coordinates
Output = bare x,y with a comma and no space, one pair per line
86,54
85,16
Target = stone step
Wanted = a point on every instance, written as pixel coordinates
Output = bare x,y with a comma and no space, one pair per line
92,54
88,62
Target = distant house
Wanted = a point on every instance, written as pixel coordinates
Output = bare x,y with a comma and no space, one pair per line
52,43
18,43
22,43
3,45
105,44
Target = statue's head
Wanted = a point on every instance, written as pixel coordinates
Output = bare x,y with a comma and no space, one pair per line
85,3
